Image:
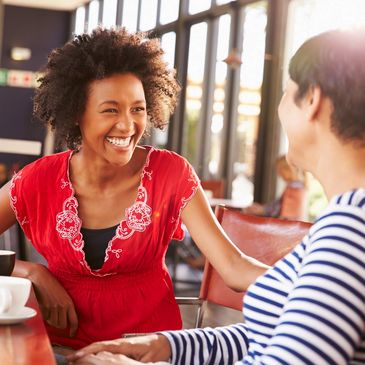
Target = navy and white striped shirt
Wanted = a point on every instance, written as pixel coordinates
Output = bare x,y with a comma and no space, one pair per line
308,309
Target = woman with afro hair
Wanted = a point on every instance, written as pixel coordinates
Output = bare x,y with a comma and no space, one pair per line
103,212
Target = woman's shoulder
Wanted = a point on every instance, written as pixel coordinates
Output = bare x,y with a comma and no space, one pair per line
345,211
47,166
171,158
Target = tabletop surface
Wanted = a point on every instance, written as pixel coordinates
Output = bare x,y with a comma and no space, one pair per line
26,343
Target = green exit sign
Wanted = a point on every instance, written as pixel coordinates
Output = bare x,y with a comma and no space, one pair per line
3,76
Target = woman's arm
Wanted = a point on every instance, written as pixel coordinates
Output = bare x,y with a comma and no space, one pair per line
322,321
55,303
237,269
224,345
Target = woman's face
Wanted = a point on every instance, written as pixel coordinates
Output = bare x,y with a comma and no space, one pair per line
293,120
115,118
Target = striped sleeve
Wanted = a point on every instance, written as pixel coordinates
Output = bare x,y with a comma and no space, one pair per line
324,318
208,346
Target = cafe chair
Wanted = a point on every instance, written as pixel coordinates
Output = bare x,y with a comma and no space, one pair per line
214,188
264,238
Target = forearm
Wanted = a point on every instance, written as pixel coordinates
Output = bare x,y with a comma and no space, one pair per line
223,345
243,272
26,269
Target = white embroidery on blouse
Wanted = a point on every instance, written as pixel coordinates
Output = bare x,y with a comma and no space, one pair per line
68,223
137,218
64,183
184,200
14,199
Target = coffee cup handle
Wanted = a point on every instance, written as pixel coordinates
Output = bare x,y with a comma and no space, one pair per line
5,300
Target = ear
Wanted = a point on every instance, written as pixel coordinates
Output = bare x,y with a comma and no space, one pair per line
314,99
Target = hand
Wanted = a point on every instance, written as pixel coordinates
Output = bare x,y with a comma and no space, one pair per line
106,358
56,305
142,348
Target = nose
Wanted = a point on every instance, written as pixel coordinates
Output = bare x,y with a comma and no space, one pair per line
125,123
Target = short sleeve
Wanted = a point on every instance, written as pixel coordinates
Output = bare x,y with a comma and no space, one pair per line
187,183
17,202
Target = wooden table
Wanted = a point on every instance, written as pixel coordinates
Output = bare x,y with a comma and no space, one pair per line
26,343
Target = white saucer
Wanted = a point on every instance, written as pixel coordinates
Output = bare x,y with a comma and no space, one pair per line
19,316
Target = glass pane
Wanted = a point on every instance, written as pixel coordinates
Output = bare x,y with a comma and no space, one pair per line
169,11
251,75
219,95
168,41
196,6
109,13
307,18
148,14
220,2
80,20
93,15
130,15
194,89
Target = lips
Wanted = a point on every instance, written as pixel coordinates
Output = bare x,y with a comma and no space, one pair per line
118,141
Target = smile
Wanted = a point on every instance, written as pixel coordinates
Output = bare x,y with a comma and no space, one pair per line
120,142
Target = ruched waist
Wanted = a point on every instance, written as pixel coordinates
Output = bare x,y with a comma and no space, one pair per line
120,280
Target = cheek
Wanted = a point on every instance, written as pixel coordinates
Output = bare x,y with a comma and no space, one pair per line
283,117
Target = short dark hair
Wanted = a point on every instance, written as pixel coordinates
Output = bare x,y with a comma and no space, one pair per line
61,96
335,61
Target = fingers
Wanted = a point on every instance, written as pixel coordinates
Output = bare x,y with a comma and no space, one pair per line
88,350
53,317
88,360
72,320
110,358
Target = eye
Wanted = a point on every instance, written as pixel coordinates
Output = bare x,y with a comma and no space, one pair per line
138,109
110,110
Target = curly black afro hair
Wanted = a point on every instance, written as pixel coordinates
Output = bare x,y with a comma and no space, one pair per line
61,96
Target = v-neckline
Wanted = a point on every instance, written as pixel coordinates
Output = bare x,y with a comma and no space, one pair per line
119,225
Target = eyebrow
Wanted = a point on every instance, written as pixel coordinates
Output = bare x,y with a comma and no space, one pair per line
116,103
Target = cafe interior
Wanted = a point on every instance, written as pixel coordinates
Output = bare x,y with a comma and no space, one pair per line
231,58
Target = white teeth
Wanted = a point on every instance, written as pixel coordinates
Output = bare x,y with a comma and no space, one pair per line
122,142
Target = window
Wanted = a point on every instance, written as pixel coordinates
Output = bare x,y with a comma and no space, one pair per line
93,15
169,11
168,40
109,13
194,90
249,100
197,6
216,124
130,15
148,14
80,20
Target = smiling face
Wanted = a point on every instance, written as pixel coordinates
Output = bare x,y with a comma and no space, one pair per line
114,120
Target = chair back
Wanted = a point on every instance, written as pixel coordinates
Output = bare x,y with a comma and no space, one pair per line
216,187
266,239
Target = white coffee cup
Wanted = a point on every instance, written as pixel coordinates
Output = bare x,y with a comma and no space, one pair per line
14,293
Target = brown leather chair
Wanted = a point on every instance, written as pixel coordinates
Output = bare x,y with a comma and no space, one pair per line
266,239
216,187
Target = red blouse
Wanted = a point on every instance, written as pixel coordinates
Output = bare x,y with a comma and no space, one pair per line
132,292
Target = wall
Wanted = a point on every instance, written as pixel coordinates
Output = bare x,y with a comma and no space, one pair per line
40,30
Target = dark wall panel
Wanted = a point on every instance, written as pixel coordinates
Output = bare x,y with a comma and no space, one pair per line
40,30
